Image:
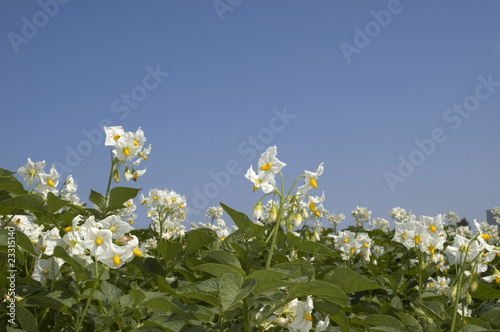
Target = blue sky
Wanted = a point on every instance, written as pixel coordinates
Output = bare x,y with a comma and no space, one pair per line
351,84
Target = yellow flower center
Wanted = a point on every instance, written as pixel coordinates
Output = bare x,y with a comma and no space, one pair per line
181,206
222,239
42,248
317,214
308,317
313,183
50,183
137,252
352,250
68,229
255,188
18,221
497,279
417,239
266,167
433,228
431,249
486,236
98,241
155,198
431,285
404,236
312,206
145,157
135,143
116,259
346,240
129,204
126,151
365,244
116,137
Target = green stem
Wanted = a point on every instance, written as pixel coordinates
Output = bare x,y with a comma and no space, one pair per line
110,175
245,314
90,298
419,274
276,227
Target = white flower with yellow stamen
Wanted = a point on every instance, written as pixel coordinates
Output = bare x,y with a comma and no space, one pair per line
98,241
116,256
49,182
126,148
113,134
303,319
310,180
269,165
257,181
31,171
117,227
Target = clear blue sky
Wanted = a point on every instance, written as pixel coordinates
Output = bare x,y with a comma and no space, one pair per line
359,100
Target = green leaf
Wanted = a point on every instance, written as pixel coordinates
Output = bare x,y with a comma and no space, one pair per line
245,224
11,184
410,321
119,195
77,267
385,320
31,202
224,257
55,203
319,288
4,172
247,287
477,322
23,241
98,199
315,248
198,238
111,291
334,311
169,250
26,319
230,285
485,292
349,280
219,270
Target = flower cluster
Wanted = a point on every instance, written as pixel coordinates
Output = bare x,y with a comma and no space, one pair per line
490,232
269,166
425,233
221,229
167,210
361,215
351,244
90,240
451,217
398,213
496,214
382,224
127,147
37,180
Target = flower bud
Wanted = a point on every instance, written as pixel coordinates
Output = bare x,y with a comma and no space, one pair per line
473,286
257,211
124,240
273,213
297,219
